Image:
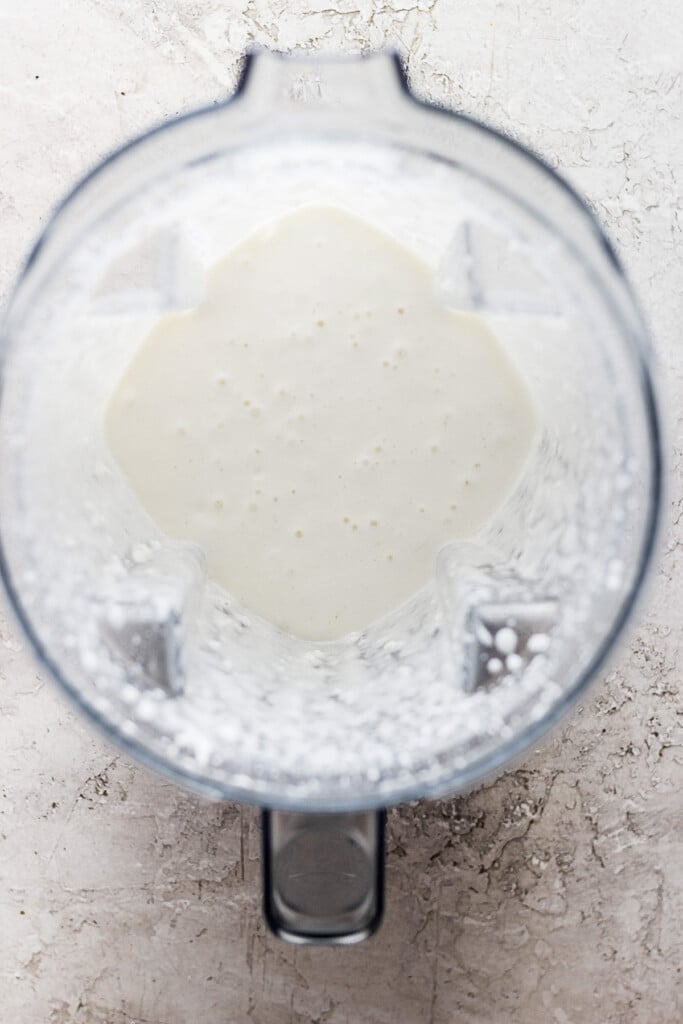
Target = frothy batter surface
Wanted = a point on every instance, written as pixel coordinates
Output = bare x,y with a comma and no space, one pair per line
321,425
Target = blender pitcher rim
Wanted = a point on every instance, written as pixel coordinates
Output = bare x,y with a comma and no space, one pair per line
457,779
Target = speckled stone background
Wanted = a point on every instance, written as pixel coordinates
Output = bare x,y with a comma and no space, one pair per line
554,894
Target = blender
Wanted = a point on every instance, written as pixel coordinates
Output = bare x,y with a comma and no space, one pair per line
515,621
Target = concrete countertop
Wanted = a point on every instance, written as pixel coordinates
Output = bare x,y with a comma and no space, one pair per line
554,894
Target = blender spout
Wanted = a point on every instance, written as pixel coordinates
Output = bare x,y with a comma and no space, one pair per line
371,83
323,875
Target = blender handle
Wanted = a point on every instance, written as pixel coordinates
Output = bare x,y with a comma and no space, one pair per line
323,875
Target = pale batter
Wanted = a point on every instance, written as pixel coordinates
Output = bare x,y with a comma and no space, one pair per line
321,425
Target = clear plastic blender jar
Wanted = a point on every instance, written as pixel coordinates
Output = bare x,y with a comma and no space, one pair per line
169,664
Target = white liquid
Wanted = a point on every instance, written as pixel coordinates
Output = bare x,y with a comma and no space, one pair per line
321,425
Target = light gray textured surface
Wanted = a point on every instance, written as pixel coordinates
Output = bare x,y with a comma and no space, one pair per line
554,894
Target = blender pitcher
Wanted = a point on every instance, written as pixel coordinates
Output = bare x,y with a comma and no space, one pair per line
513,623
